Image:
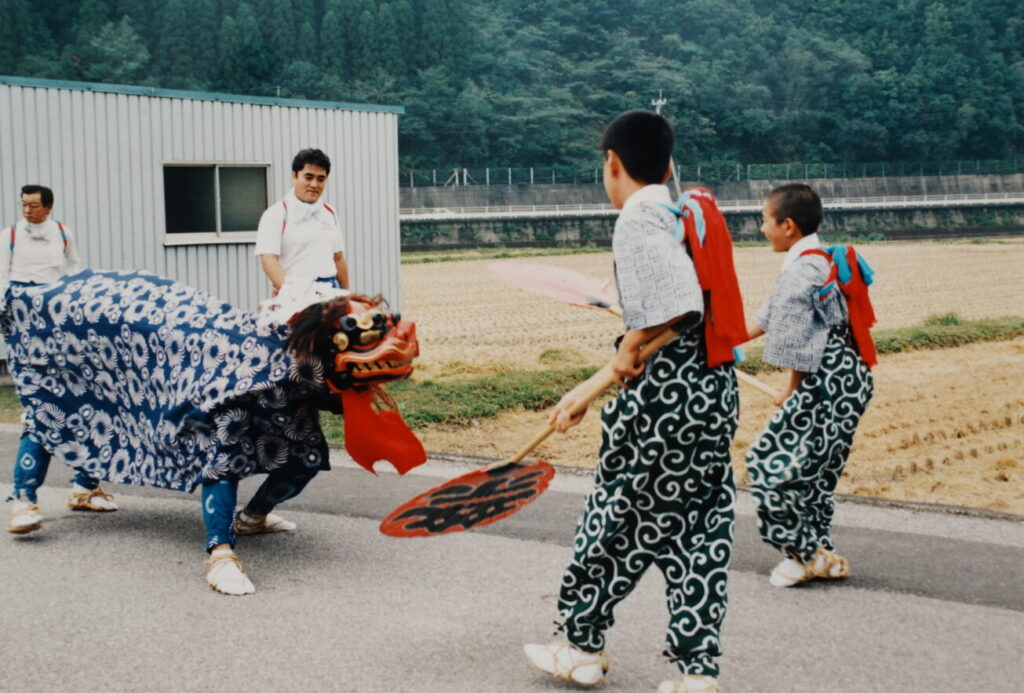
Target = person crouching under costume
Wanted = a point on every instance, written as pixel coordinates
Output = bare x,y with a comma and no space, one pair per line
140,380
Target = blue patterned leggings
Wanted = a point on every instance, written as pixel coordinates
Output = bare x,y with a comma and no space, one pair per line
31,465
220,498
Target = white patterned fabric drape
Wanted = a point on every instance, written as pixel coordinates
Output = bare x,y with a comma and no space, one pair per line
140,380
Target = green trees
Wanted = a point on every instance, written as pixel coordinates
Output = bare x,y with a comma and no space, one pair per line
174,55
530,83
116,54
244,66
26,43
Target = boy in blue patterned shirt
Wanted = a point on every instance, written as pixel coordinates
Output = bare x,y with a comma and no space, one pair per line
797,460
664,490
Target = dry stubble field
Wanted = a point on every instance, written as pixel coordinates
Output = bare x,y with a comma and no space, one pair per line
945,426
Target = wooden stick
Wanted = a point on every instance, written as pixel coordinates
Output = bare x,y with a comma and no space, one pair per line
757,384
740,375
586,397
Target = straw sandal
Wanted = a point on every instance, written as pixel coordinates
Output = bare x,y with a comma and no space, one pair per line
566,661
824,564
224,574
94,500
829,565
24,518
266,524
790,572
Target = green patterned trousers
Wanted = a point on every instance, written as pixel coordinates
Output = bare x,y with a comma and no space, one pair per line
663,495
796,462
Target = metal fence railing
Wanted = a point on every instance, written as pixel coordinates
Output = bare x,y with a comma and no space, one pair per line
453,177
711,172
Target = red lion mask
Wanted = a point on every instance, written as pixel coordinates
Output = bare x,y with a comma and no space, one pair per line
363,345
371,345
359,337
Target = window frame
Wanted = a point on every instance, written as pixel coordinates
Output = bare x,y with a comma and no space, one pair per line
219,236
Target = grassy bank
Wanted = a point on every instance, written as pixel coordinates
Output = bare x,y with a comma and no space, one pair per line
459,400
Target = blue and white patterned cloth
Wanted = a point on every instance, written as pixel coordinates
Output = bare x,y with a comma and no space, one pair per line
140,380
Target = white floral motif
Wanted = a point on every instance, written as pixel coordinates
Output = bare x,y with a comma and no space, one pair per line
101,429
58,309
73,454
140,352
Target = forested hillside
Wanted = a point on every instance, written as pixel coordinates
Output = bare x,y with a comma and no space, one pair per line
529,83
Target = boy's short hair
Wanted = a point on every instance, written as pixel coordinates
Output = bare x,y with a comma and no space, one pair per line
798,202
643,141
314,157
45,194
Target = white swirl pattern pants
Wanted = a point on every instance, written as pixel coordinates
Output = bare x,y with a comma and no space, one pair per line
796,462
663,495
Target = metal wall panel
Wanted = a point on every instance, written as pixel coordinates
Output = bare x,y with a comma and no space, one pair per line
103,154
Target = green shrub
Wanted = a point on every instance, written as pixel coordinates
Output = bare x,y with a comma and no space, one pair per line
419,234
946,319
462,399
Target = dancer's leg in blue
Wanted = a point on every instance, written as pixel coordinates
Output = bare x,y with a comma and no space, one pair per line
219,499
30,467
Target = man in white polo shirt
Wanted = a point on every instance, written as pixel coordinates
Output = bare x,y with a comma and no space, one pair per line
299,237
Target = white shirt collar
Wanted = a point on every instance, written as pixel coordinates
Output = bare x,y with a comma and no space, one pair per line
648,193
38,230
808,242
299,210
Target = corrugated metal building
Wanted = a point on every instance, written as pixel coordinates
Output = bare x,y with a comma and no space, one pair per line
173,182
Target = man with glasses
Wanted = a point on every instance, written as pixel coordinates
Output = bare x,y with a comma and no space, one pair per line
34,251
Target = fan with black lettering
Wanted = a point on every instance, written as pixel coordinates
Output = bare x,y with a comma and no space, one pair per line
496,491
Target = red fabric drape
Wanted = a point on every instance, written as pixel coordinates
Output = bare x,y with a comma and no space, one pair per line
858,303
371,436
724,323
862,313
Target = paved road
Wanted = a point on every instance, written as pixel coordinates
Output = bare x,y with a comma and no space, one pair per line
119,603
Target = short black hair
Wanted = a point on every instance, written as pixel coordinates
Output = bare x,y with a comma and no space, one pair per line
45,194
798,202
643,141
311,156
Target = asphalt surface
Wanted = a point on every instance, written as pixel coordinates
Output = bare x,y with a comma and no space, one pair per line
118,602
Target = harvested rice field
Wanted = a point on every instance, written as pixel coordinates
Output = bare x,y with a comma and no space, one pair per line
945,426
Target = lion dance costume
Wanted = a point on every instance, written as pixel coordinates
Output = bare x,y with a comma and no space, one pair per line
140,380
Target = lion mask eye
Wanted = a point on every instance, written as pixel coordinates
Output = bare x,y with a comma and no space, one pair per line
365,321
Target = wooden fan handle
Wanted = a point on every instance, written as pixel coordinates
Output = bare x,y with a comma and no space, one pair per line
593,392
757,384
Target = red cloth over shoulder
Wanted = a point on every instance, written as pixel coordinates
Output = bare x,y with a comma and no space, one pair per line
846,272
707,236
